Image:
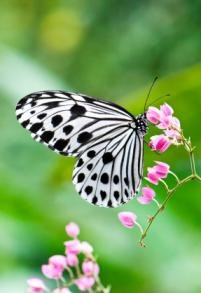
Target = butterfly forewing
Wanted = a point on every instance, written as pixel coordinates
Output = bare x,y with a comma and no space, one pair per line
110,151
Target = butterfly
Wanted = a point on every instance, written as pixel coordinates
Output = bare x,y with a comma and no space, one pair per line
107,140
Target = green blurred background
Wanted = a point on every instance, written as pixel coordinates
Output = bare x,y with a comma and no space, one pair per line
109,49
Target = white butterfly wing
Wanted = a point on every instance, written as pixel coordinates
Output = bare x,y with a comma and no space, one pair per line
110,172
109,169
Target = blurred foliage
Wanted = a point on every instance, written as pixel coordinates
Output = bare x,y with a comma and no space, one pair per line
109,49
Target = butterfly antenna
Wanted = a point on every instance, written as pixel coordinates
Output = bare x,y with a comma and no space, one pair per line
149,92
159,98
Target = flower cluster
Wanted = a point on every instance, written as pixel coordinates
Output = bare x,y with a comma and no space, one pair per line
78,263
163,119
172,135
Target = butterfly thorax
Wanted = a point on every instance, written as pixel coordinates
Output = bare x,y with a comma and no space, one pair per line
140,124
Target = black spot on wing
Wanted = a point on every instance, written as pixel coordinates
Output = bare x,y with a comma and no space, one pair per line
56,120
116,179
40,116
91,154
116,195
80,177
25,123
67,129
103,194
35,127
94,177
104,178
84,137
107,158
61,144
89,166
47,136
88,189
80,162
77,110
94,200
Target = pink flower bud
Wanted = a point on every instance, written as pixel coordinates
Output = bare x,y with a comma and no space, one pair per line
165,122
175,123
153,115
90,268
52,272
152,176
62,290
173,134
58,261
161,169
86,248
72,246
166,109
84,283
128,219
160,143
72,260
55,267
36,285
147,195
72,230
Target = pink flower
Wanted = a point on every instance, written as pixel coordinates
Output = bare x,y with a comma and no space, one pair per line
152,176
72,260
72,246
165,122
72,230
84,283
153,115
159,143
58,261
90,268
55,267
175,123
36,285
161,169
147,195
128,219
62,290
166,110
86,248
173,134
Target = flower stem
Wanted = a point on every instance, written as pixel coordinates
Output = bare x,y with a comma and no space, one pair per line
161,208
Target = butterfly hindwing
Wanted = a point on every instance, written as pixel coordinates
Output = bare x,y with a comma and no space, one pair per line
109,169
110,173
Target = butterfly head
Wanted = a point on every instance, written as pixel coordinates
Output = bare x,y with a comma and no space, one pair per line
141,123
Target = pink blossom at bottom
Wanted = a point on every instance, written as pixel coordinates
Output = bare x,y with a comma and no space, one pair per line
72,230
147,195
72,246
84,283
159,143
161,169
128,219
152,177
90,268
36,285
51,271
58,261
72,260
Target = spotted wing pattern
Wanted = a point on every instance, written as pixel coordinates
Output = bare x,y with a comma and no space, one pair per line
110,152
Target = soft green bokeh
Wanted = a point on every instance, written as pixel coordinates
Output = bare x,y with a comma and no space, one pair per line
109,49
